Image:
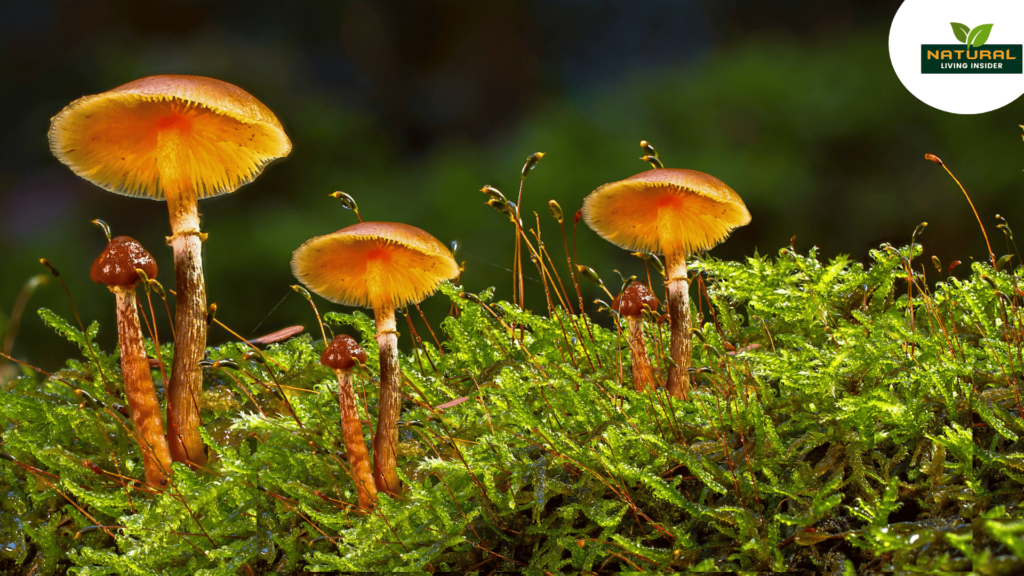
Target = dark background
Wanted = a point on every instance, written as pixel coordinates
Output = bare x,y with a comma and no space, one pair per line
412,106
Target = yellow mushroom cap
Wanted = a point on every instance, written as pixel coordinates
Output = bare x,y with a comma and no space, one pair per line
665,210
374,265
110,139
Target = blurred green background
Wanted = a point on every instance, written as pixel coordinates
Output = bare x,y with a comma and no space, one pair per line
411,107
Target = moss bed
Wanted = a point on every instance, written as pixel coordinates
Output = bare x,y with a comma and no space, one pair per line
844,418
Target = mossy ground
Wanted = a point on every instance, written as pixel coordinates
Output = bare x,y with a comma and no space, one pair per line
843,418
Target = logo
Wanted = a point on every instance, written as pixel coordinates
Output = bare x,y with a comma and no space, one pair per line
956,67
969,57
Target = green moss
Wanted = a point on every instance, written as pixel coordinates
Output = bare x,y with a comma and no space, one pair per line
843,417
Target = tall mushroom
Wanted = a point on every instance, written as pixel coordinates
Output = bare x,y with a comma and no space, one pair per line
674,212
179,139
116,267
631,305
342,355
384,266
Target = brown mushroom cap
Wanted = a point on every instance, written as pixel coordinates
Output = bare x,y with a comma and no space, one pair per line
116,265
110,139
374,265
634,299
343,353
665,210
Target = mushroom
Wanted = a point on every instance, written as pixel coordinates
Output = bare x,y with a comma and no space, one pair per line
384,266
342,355
179,139
631,304
673,212
116,267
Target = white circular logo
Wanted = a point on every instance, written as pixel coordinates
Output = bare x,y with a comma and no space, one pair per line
960,57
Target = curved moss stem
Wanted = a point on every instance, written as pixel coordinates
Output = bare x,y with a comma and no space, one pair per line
679,311
184,392
355,445
643,374
385,441
140,391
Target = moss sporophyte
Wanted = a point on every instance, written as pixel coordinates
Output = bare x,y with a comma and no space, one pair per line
773,414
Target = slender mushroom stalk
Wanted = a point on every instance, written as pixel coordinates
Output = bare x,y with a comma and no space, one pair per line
383,266
631,305
342,355
116,267
185,389
674,212
681,342
385,441
179,139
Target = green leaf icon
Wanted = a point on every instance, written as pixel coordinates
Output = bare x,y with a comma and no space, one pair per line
960,30
979,35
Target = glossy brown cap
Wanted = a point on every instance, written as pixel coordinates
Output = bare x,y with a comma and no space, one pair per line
374,265
634,299
665,210
343,353
116,265
110,139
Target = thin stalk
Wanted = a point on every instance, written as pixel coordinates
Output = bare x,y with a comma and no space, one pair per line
568,260
991,254
643,374
419,343
155,336
385,441
679,312
19,306
140,391
355,445
440,349
186,386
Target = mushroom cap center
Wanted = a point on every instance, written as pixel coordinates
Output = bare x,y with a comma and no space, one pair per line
174,121
668,200
379,253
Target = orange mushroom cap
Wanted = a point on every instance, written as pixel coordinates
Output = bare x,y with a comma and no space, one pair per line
116,265
110,139
374,265
343,353
665,210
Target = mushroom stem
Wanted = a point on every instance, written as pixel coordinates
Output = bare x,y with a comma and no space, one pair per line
355,445
141,393
679,311
643,375
385,441
186,386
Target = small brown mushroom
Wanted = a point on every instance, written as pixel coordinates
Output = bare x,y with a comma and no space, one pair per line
116,267
631,304
674,212
342,355
384,266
